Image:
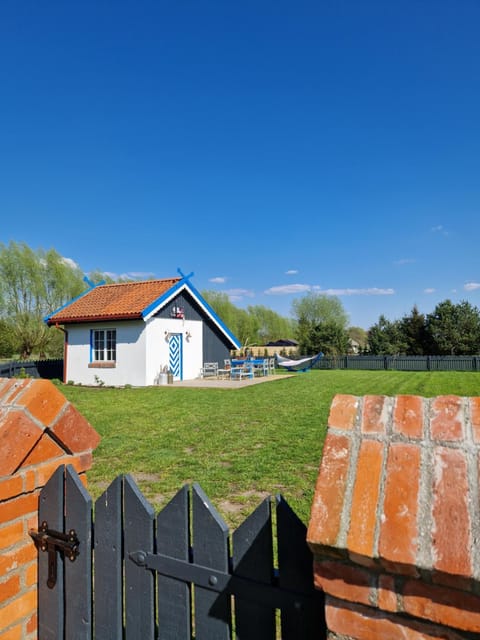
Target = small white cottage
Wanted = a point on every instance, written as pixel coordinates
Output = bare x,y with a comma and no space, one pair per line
130,333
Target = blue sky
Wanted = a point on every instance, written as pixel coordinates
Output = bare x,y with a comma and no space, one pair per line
272,148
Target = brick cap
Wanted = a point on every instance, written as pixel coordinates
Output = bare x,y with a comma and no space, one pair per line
398,487
37,420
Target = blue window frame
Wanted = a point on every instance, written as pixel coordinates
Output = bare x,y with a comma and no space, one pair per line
104,345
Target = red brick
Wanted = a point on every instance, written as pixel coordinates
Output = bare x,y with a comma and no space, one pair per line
75,432
386,594
29,480
32,624
14,633
9,588
45,471
398,530
21,607
359,622
11,534
45,449
441,605
451,519
17,507
329,491
10,486
43,400
363,515
9,392
31,574
408,416
18,436
374,415
475,417
343,581
82,463
447,419
343,412
16,558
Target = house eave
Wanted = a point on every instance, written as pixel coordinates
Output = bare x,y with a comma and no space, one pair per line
97,318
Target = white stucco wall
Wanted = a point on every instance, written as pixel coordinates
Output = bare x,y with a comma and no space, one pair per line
142,351
130,362
157,347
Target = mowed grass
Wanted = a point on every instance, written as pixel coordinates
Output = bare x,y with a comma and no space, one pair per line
239,444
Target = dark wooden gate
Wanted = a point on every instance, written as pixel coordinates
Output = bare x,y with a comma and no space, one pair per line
176,576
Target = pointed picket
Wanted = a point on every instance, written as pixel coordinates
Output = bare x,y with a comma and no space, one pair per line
296,574
174,596
108,564
139,582
210,549
50,600
253,558
78,574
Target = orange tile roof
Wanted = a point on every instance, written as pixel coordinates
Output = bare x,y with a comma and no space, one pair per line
113,302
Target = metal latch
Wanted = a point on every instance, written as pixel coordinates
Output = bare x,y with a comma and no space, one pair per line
52,541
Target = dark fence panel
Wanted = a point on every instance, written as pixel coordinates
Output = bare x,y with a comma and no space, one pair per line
48,369
401,363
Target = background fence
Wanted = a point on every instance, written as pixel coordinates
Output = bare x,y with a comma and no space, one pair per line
48,369
51,369
401,363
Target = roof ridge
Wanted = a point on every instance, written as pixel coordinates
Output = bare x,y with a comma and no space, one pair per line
119,284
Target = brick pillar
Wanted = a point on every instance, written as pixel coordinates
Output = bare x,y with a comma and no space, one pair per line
39,430
395,524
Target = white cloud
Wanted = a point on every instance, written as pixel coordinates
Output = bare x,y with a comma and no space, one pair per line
291,272
287,289
372,291
71,263
303,288
218,280
439,228
238,294
403,261
137,275
429,290
471,286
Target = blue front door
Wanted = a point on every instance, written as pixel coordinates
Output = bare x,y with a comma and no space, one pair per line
175,355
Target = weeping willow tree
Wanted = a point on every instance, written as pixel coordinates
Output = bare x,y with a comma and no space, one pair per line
32,285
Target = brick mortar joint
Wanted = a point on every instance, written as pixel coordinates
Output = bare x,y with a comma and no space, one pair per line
351,474
400,438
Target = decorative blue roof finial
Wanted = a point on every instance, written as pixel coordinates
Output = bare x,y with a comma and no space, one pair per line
184,277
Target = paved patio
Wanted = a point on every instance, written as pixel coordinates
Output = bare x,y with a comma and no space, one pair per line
214,383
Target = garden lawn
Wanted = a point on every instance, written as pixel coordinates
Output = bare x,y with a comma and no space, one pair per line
238,444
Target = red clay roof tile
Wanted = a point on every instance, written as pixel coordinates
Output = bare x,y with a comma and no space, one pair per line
126,300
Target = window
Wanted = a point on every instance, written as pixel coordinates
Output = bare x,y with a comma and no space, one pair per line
104,345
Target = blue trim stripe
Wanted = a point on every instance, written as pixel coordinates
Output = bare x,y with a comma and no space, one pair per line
67,304
185,283
213,315
159,301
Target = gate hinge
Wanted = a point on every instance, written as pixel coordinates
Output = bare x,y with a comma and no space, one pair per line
52,541
222,582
